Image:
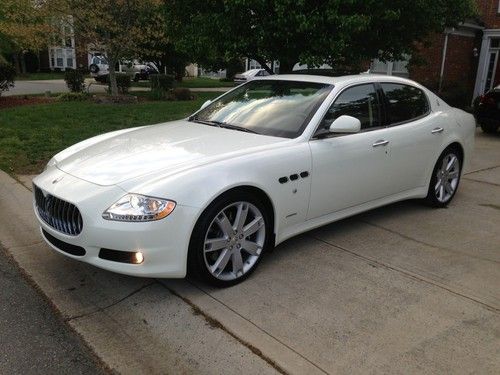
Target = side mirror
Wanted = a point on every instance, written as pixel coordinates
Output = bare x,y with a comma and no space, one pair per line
345,124
205,104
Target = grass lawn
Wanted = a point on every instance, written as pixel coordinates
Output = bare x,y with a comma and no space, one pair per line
198,82
30,135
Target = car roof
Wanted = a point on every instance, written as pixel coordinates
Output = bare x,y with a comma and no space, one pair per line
348,79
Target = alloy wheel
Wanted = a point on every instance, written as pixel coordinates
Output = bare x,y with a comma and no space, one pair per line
447,176
234,241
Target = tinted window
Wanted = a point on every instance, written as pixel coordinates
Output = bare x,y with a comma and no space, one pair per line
404,102
360,102
270,107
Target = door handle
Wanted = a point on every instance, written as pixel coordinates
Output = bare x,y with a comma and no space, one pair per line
381,142
437,130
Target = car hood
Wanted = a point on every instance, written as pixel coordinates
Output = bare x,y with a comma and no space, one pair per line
116,157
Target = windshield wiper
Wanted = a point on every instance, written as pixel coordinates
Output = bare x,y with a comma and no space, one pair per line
236,127
205,122
221,124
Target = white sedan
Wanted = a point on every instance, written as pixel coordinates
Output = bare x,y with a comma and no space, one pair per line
270,159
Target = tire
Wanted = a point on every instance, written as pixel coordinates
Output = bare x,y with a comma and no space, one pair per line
93,68
489,128
445,178
217,240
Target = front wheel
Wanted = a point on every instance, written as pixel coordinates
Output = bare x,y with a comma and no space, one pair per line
445,178
229,239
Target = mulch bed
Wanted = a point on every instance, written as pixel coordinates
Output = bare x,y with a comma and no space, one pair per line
15,101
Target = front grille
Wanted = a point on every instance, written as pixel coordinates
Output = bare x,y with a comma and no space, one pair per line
59,214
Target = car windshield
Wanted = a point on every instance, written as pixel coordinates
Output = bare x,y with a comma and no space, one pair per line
269,107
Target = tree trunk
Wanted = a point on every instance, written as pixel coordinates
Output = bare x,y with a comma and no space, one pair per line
23,63
112,76
286,66
263,64
15,57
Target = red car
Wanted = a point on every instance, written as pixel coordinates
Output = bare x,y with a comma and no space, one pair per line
487,110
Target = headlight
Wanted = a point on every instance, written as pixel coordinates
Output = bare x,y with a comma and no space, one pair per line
51,163
137,208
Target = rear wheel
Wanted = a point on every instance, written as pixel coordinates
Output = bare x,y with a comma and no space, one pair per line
229,239
445,178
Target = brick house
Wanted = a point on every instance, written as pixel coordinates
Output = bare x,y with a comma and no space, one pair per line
463,58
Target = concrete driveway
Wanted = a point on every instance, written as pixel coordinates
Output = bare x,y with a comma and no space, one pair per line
401,289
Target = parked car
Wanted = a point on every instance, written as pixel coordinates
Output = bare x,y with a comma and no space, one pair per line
250,74
99,69
487,110
272,158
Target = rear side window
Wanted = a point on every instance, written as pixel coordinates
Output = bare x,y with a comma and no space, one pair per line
404,103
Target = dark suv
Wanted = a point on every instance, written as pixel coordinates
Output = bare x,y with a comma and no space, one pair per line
487,110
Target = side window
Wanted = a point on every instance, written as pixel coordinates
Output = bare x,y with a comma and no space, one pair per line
360,102
404,102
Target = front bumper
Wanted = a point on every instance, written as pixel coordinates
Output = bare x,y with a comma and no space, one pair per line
164,243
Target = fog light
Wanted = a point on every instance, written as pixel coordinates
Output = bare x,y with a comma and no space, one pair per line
138,258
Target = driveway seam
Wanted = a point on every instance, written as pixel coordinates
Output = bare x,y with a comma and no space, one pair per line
406,237
251,347
101,309
409,274
482,169
480,181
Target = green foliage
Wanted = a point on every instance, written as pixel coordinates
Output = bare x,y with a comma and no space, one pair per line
181,93
123,82
337,32
75,80
73,97
160,85
7,76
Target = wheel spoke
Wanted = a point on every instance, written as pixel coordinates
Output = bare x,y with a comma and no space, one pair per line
448,187
224,224
453,174
253,226
221,262
251,247
241,216
438,185
452,163
214,244
441,193
237,261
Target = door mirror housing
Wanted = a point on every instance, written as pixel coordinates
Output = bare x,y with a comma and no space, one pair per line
345,124
204,105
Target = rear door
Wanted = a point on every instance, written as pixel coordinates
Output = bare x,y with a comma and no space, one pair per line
415,132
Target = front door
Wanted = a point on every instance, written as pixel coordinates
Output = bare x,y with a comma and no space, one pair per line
350,169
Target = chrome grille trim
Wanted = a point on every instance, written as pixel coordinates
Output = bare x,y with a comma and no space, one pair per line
57,213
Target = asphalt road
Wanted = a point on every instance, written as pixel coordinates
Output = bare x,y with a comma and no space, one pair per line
33,337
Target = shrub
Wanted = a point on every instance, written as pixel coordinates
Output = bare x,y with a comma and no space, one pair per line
7,76
73,97
123,81
181,93
75,80
161,81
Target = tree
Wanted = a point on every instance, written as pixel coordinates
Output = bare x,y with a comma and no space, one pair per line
338,32
23,26
119,28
